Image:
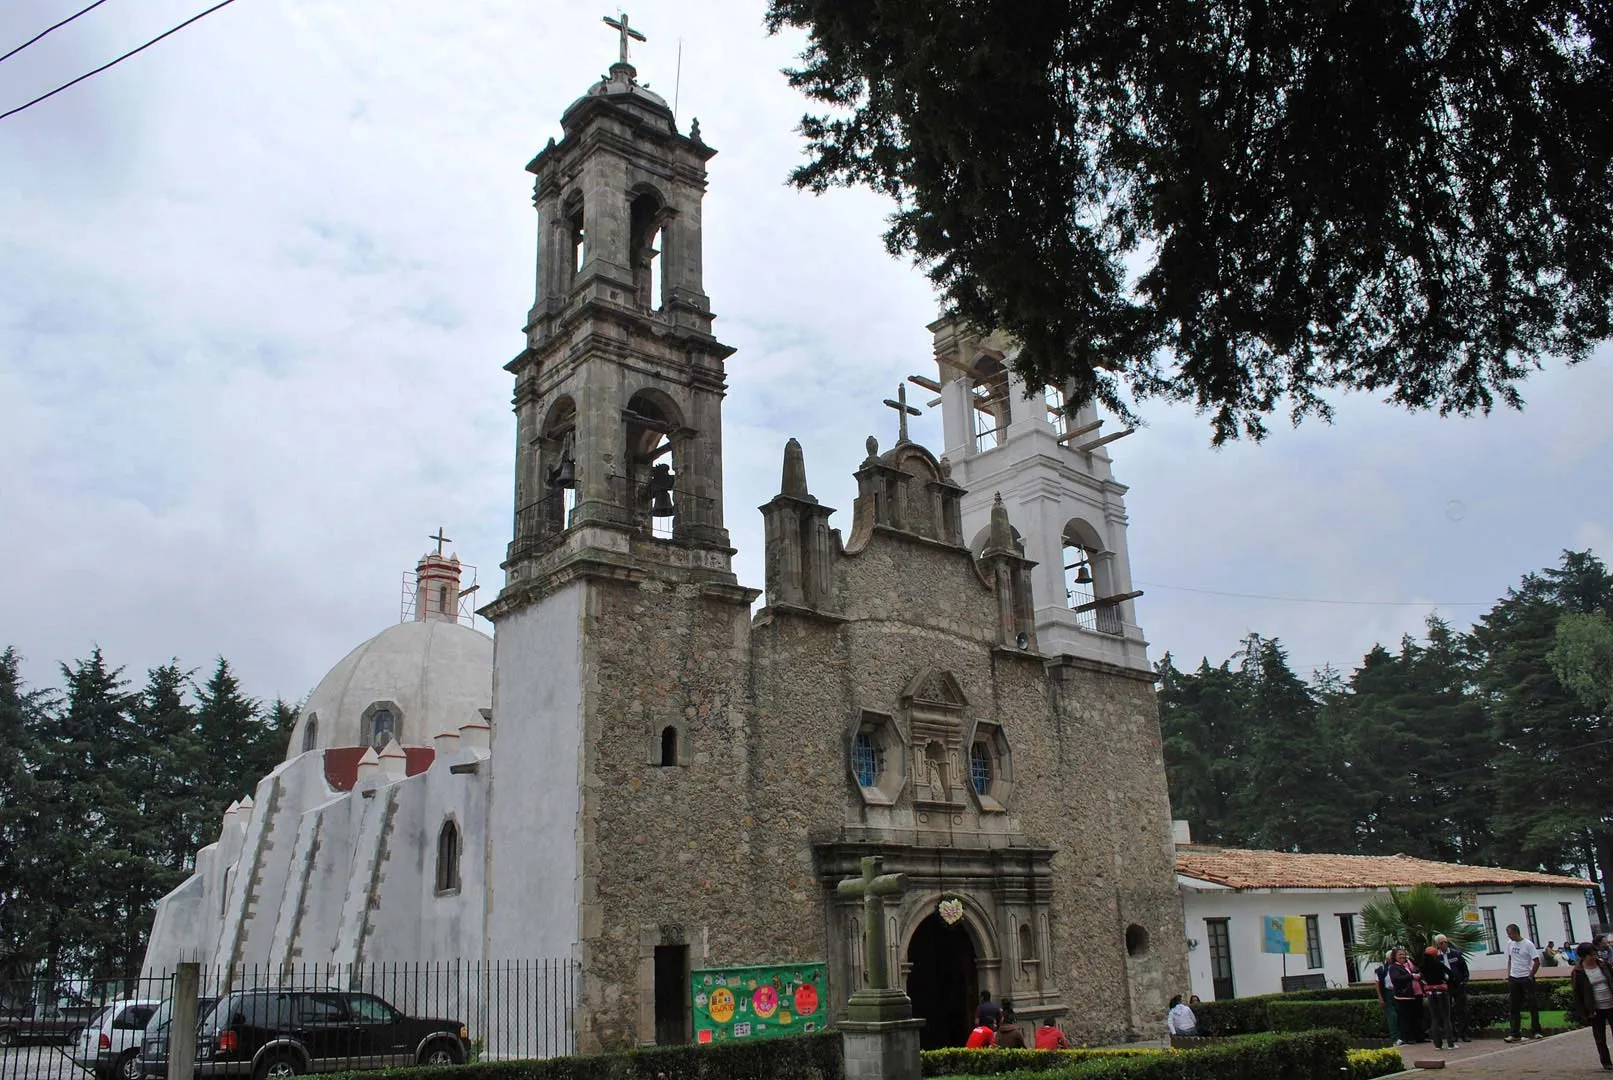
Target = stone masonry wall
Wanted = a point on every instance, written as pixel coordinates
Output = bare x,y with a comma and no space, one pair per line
667,852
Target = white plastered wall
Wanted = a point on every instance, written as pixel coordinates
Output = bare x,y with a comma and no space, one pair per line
1256,972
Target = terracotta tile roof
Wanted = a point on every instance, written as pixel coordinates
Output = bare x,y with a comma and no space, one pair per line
1239,869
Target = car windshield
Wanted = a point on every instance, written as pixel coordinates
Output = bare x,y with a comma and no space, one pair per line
160,1018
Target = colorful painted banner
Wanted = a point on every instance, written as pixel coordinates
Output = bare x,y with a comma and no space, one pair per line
760,1002
1283,934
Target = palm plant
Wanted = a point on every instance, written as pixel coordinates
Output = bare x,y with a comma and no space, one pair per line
1411,919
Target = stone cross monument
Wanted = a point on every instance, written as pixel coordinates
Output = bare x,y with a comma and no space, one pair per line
881,1036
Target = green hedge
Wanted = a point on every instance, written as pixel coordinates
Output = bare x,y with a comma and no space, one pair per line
1362,1018
1234,1016
956,1061
1366,1064
1310,1055
799,1057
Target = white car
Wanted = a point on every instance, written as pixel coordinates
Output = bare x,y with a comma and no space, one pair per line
109,1045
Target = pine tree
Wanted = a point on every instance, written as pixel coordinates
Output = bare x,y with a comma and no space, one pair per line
1552,780
23,716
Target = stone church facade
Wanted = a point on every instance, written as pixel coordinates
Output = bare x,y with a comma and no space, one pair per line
674,781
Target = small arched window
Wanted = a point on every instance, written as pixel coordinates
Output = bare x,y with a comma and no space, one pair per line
383,728
310,733
1027,951
980,767
1136,940
448,858
669,746
442,599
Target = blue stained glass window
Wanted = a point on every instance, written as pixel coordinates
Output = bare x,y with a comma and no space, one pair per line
866,759
980,767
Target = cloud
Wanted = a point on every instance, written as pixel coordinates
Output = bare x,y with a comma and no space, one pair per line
258,286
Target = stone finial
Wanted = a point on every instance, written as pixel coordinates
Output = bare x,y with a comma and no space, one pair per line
1002,533
945,465
873,447
447,743
369,767
394,761
233,807
694,129
794,482
245,805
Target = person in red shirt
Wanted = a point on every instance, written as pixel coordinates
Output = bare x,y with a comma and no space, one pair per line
984,1035
1049,1037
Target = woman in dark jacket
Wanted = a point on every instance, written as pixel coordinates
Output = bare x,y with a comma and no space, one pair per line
1593,997
1408,1002
1436,988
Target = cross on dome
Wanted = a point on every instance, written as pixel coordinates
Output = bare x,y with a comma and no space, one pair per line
621,26
440,538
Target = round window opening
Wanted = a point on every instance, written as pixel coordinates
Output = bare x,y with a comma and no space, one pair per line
1136,940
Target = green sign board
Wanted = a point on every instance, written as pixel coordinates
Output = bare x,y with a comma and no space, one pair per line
761,1002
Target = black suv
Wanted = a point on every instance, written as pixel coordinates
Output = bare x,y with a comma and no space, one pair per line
279,1033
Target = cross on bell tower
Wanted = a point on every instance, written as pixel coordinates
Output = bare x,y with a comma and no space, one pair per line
619,390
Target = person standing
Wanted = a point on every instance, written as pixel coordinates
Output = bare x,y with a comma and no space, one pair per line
1592,979
988,1011
1386,996
1523,960
1436,989
1408,991
1456,964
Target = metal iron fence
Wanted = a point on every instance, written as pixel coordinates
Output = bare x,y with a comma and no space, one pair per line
280,1022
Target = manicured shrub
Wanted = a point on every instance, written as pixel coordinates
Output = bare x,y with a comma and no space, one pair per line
1310,1055
956,1061
799,1057
1361,1018
1234,1016
1365,1064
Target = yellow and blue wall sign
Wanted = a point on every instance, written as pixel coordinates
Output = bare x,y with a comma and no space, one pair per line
1283,934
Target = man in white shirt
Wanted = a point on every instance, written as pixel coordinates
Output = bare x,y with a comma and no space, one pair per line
1523,960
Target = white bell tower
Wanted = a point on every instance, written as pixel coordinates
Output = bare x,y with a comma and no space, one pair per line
1053,473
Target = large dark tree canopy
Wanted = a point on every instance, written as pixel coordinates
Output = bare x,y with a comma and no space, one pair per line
1239,203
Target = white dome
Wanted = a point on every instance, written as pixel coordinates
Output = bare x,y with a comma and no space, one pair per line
429,675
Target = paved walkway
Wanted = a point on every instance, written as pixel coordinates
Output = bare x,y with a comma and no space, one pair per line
1572,1054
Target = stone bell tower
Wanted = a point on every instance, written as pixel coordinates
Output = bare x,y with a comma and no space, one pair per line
618,393
620,658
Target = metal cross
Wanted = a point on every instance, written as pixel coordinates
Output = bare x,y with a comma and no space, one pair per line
626,31
903,410
873,887
441,539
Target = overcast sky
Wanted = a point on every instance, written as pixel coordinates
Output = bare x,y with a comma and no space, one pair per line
258,283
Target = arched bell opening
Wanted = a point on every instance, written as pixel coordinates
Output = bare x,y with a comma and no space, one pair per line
988,393
647,217
654,462
557,466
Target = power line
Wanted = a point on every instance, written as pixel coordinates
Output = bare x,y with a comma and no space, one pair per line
48,29
1314,599
119,60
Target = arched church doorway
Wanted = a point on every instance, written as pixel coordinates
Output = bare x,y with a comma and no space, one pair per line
942,982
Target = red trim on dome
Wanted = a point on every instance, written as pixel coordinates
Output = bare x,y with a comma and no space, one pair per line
341,763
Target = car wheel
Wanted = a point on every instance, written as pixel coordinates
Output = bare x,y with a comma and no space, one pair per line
8,1037
439,1054
129,1066
277,1068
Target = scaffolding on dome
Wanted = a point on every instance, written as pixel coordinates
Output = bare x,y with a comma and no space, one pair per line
466,613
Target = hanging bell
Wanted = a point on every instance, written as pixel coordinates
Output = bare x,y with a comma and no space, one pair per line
1083,576
564,475
661,492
